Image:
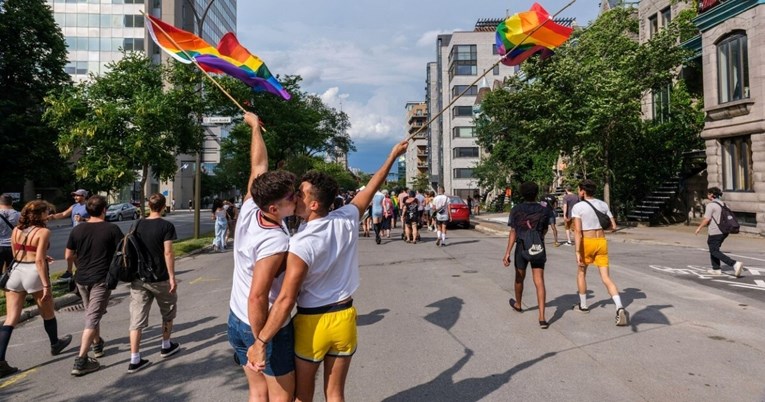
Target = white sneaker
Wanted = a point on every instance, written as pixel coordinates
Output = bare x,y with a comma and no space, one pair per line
714,272
737,268
622,319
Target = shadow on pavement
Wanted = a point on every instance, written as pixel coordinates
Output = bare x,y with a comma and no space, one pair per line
371,318
447,314
649,315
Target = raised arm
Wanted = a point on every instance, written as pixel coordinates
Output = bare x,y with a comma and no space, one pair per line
258,152
364,197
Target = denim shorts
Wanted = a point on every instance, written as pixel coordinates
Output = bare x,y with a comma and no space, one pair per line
280,352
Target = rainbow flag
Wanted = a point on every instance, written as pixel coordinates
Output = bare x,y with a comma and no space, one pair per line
229,57
515,28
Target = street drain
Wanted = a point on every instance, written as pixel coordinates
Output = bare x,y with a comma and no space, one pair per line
73,308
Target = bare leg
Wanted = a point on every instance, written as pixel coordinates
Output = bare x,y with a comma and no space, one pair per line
282,388
167,329
135,340
89,335
335,374
581,281
257,384
14,304
305,378
538,274
46,306
520,276
555,233
414,231
606,278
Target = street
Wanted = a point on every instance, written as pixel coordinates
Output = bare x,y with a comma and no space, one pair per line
435,325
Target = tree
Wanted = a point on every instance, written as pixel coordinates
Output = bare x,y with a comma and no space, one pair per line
123,122
421,182
32,59
585,103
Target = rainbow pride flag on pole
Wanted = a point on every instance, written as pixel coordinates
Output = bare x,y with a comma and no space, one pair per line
517,27
230,57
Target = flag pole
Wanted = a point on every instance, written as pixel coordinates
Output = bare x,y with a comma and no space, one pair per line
196,64
549,18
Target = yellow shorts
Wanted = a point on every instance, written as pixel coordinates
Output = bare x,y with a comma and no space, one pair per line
332,333
595,251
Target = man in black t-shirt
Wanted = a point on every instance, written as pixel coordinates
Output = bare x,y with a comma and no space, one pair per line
157,235
529,215
550,201
91,247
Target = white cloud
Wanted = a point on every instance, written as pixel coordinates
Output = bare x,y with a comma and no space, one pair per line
370,121
428,39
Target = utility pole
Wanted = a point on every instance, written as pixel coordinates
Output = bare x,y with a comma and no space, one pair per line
200,20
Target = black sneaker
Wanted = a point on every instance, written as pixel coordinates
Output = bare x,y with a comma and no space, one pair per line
62,343
98,348
66,275
578,307
378,240
84,365
173,349
5,369
132,368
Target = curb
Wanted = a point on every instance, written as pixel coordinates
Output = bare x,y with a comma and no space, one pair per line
58,303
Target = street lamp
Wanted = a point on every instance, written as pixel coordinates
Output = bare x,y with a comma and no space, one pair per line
198,157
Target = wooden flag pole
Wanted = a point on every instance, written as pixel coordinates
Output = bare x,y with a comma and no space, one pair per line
549,18
196,64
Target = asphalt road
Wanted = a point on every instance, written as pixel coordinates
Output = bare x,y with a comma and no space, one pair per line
183,220
435,325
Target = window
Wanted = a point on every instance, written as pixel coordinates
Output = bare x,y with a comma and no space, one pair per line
458,89
666,17
733,68
653,26
495,70
494,49
463,173
133,21
466,152
463,132
463,60
737,164
462,111
661,104
134,44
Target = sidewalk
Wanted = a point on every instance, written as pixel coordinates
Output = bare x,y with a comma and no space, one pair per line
678,235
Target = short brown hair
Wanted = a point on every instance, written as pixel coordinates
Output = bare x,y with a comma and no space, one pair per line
588,186
157,202
272,186
96,205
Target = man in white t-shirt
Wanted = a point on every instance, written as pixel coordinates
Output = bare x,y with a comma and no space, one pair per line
591,247
443,216
260,249
321,275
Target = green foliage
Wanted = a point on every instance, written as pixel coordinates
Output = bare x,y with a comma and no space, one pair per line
32,59
123,122
421,182
586,103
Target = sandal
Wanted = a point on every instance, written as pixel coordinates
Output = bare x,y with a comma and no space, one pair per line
543,324
515,307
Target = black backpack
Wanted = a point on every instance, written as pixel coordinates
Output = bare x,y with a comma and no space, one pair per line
728,223
131,260
531,241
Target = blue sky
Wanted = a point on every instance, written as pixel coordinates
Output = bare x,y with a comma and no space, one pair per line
369,57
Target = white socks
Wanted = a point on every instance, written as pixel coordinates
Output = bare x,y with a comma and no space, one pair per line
135,358
165,344
583,300
618,302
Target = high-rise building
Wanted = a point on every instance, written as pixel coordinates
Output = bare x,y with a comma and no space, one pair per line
433,133
417,152
96,30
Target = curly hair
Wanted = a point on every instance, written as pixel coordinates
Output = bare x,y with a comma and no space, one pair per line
31,214
271,187
325,187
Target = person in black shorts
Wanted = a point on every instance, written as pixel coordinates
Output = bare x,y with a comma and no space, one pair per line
529,215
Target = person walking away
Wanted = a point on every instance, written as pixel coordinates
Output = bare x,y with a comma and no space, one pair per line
527,216
9,218
157,235
569,200
420,208
411,218
550,202
30,241
231,214
443,216
92,246
219,216
401,196
79,214
377,214
321,276
591,247
715,237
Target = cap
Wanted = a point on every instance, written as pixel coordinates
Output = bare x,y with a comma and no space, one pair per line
80,192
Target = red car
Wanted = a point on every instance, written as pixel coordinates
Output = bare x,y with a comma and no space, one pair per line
460,212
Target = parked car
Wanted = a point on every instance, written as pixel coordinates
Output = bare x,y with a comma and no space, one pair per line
119,212
460,211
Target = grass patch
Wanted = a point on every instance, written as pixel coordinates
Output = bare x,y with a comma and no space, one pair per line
183,247
59,289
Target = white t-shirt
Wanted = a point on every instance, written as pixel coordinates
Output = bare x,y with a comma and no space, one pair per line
584,212
441,201
420,201
329,246
253,242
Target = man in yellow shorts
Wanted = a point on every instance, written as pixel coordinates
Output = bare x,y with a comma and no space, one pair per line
592,248
321,275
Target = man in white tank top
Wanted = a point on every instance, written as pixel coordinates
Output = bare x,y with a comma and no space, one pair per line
322,274
260,249
591,247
